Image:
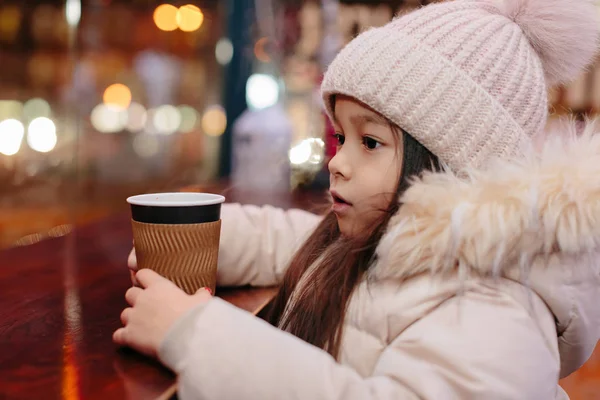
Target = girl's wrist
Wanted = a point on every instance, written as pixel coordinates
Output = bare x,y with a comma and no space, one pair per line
173,349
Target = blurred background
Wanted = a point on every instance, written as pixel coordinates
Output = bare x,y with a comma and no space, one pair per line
102,99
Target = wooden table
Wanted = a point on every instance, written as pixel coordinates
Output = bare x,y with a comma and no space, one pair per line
60,301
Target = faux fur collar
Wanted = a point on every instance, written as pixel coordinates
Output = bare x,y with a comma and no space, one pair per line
500,217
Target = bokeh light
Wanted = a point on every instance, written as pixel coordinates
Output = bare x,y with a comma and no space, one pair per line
224,51
108,119
262,91
214,121
166,119
136,117
260,50
36,108
10,109
189,18
146,146
73,12
117,95
300,154
11,136
189,118
10,22
165,17
308,151
41,135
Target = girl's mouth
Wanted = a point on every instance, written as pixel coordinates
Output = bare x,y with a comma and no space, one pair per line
340,205
339,199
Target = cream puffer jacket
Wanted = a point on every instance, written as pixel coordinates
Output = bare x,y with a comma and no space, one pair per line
484,288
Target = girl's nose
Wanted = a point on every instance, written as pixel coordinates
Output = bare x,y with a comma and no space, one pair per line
339,165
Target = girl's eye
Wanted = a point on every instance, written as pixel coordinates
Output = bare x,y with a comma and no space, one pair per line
339,138
370,143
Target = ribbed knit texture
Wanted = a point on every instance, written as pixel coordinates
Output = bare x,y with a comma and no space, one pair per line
460,77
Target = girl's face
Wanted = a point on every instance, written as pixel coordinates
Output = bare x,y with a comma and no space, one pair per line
366,168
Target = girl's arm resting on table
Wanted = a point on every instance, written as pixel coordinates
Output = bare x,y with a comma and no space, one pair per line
257,243
488,350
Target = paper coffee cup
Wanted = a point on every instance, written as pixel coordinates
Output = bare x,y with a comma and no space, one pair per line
177,235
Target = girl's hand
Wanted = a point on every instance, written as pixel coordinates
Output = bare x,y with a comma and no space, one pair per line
132,265
155,306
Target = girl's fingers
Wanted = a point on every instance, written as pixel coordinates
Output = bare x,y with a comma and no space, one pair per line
132,260
132,294
119,336
125,315
147,277
134,281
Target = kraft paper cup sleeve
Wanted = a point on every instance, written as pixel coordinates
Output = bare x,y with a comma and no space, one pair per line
186,254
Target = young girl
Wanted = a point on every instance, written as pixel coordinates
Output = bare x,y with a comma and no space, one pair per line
457,262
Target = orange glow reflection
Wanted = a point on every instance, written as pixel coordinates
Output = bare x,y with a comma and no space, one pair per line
71,384
71,389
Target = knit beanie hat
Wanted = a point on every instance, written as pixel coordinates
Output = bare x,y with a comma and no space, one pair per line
468,78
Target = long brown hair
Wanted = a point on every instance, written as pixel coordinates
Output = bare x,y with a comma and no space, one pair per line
317,313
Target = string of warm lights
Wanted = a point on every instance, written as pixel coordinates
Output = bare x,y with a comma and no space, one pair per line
187,18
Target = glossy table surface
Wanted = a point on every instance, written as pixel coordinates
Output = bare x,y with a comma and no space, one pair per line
60,301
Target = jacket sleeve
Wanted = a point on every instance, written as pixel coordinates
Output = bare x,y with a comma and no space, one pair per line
465,349
257,243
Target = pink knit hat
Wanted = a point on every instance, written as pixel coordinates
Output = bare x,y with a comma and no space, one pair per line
468,78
